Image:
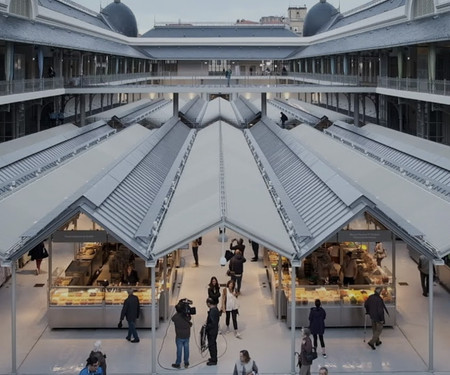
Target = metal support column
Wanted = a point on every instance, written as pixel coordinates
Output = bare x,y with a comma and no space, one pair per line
153,356
430,315
166,292
278,292
176,104
13,320
263,104
293,320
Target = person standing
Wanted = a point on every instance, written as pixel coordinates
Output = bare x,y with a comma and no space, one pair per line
305,349
212,330
238,245
130,276
283,119
230,306
349,269
195,244
214,290
38,253
255,248
317,317
245,365
182,322
379,253
236,268
375,308
97,353
92,367
423,267
131,310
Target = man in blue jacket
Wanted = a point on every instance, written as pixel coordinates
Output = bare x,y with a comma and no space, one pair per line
130,310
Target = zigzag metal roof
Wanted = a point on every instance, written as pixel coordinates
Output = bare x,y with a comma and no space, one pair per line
128,199
322,201
417,215
419,161
25,164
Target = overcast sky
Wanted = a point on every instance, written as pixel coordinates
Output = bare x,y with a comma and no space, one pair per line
148,12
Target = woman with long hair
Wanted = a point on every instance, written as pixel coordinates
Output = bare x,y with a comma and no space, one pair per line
214,290
245,365
230,306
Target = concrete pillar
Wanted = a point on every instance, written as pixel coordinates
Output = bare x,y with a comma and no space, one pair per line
356,109
82,110
176,103
263,104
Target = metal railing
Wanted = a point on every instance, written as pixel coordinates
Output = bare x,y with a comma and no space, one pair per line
437,87
30,85
326,79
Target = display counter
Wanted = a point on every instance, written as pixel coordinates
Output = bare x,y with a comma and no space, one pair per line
99,307
344,306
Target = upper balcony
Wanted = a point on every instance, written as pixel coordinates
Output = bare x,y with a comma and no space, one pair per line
437,91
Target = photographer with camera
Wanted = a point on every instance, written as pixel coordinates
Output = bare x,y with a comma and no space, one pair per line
183,324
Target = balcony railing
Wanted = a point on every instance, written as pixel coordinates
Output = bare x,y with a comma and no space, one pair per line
30,85
424,86
437,87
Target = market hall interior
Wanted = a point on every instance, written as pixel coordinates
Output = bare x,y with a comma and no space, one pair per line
42,350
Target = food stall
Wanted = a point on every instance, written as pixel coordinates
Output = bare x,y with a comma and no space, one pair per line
89,291
344,304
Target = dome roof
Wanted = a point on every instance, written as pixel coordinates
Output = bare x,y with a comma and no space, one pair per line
120,18
318,16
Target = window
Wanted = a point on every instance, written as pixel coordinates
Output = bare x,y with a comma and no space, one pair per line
21,8
422,8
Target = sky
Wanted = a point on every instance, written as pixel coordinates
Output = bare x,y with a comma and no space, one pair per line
148,12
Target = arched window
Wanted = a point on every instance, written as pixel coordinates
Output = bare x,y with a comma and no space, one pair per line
422,8
21,8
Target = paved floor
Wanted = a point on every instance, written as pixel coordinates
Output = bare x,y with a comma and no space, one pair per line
404,349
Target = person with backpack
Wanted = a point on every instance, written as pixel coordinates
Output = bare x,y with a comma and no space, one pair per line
317,317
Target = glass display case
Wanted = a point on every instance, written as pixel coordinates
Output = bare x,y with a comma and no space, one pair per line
344,305
97,307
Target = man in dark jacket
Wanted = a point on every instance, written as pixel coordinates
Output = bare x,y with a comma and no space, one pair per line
130,310
375,308
182,322
237,269
212,330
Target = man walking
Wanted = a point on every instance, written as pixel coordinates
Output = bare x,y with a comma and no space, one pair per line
423,267
182,322
195,244
375,308
130,310
212,330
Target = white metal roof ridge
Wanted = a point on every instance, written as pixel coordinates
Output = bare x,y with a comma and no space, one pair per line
236,198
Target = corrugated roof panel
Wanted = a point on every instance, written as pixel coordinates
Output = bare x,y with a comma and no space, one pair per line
46,157
408,205
306,180
392,150
128,203
29,210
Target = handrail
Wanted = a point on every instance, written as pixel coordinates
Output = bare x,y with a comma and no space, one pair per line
438,87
